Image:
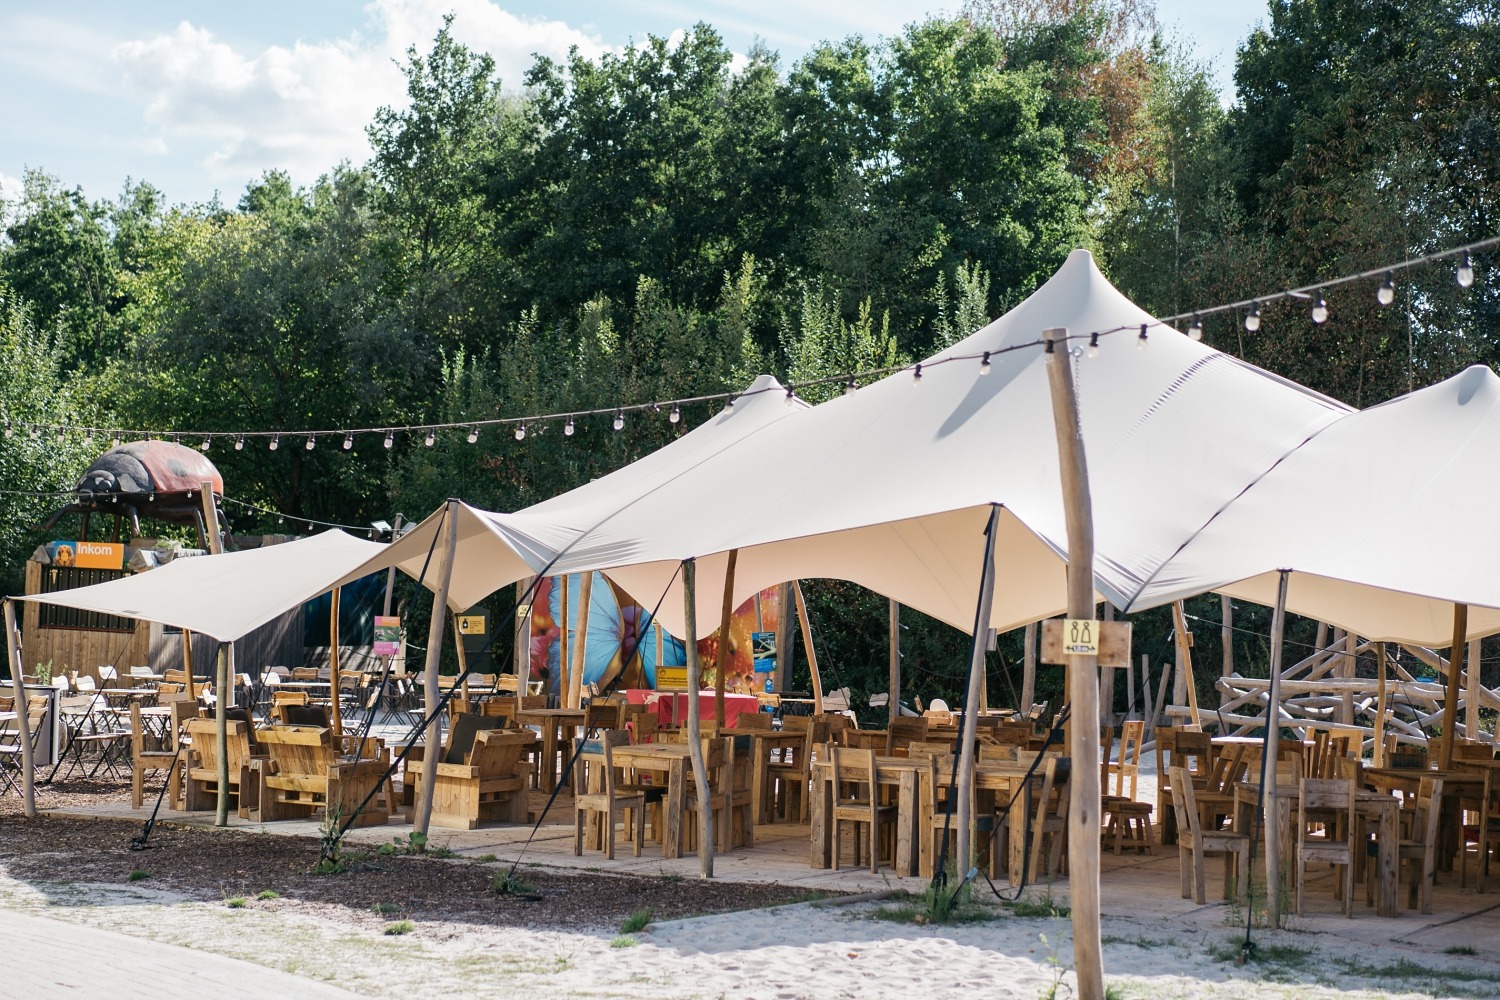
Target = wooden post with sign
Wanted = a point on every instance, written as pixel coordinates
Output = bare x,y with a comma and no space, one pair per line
1083,673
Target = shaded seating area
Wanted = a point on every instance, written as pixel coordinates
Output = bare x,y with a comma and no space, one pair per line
304,774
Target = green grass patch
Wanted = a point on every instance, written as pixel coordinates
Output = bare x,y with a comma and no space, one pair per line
486,859
385,909
235,902
268,894
400,927
137,875
624,942
1461,949
1043,906
636,922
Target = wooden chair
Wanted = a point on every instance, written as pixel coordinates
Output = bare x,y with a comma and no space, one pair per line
201,782
788,775
1178,747
934,823
303,776
1125,769
857,802
12,750
145,758
1215,797
1329,804
483,775
281,699
304,673
904,730
1194,844
717,756
751,721
1418,844
1049,823
864,739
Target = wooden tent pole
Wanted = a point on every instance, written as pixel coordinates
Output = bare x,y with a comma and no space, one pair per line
1268,756
964,824
336,709
1379,748
1185,658
23,712
893,707
564,646
580,641
1028,672
695,720
1226,636
1455,668
721,661
1083,674
522,653
221,733
812,653
463,662
432,741
187,663
783,638
1471,695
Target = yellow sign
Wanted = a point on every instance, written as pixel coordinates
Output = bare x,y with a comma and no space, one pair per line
471,624
1080,637
671,678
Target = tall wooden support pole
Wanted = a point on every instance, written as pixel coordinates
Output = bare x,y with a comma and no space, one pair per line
521,662
1455,668
1268,758
1226,637
1107,682
187,664
564,645
1129,689
812,653
1185,678
1471,693
893,708
1379,754
432,741
221,731
784,635
463,663
1028,671
721,661
336,709
1083,674
211,524
23,712
580,640
967,751
695,720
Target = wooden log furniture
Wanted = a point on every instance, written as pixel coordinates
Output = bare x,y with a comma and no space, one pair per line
201,766
303,774
483,776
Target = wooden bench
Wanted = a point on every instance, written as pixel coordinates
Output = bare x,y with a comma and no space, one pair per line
483,776
201,785
303,774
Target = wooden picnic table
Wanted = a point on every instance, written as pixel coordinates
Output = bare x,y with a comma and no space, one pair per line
558,726
1380,808
901,773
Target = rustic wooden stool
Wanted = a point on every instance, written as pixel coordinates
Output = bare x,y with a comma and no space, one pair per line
1128,826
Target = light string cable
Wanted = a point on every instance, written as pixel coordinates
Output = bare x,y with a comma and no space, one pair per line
309,437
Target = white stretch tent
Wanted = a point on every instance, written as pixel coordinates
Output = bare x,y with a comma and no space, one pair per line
891,487
1385,518
230,595
490,558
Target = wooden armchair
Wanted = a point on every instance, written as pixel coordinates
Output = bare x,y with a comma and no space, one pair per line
144,756
303,774
1176,747
201,781
483,776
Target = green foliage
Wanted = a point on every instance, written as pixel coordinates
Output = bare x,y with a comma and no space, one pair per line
268,894
636,922
385,909
624,942
235,902
400,927
137,875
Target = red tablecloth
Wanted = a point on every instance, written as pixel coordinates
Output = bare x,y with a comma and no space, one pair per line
672,706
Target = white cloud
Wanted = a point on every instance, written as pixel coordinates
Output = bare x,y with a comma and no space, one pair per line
10,198
303,108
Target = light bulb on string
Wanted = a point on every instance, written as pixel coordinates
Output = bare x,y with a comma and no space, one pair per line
473,435
206,442
619,420
9,430
1466,271
312,442
431,437
791,398
984,362
850,386
1252,318
59,435
675,415
1140,342
116,441
348,440
1320,310
1386,293
1093,345
729,403
520,432
239,443
568,428
1196,330
916,374
390,440
88,436
35,431
275,442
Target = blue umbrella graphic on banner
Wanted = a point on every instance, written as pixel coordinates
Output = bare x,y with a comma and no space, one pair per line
613,634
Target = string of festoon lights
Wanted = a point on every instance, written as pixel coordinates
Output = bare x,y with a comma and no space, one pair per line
522,426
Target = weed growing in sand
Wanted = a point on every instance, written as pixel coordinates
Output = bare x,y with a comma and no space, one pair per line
1278,961
624,942
235,902
506,884
385,909
1460,949
416,843
1038,906
137,875
1405,969
1055,967
486,859
268,894
636,922
400,927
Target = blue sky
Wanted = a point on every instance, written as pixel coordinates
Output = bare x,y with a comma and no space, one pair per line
203,97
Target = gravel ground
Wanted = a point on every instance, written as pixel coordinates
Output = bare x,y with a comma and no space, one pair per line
218,864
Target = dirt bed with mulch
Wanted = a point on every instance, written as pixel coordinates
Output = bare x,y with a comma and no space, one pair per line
219,864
